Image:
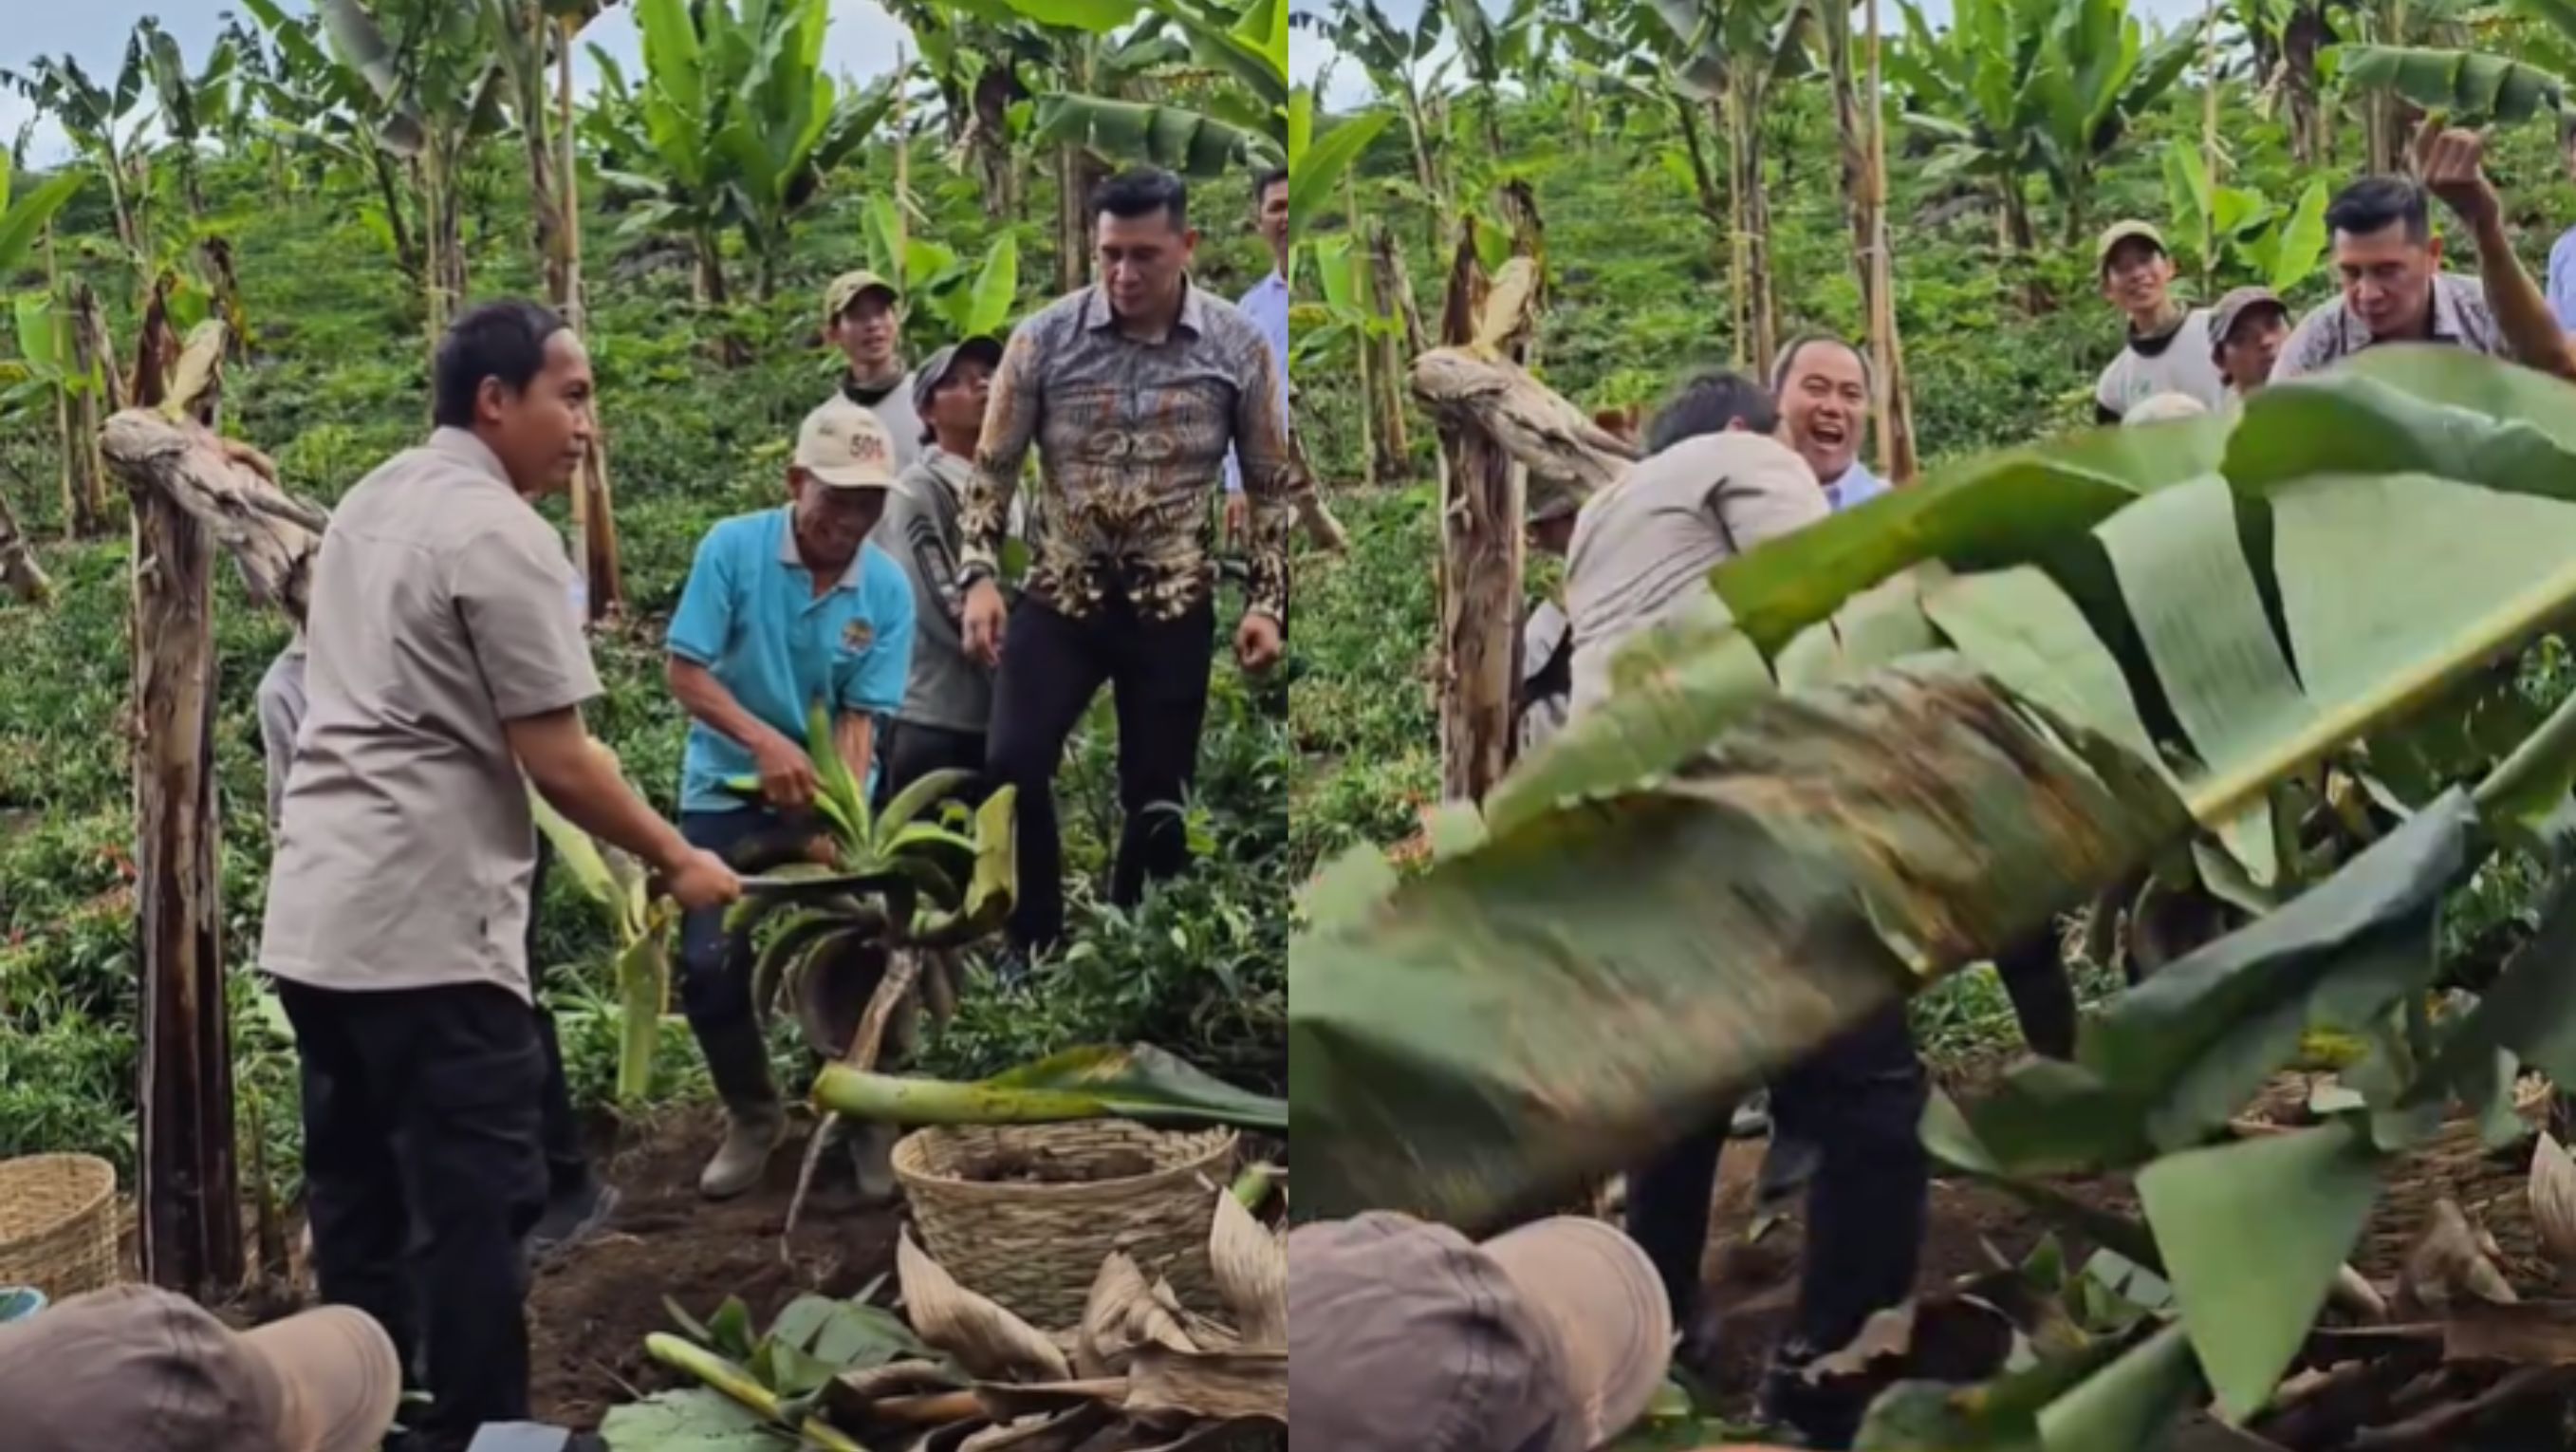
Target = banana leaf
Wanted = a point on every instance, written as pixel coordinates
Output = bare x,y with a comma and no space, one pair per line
1559,1000
22,222
643,998
2456,80
1141,1083
1169,136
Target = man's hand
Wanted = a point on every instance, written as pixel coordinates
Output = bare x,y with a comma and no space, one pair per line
701,880
1238,516
786,773
2450,163
1257,645
983,619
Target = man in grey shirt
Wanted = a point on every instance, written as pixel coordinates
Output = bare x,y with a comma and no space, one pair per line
446,674
948,700
2394,288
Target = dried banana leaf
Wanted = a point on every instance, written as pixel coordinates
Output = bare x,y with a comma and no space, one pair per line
1250,1266
1166,1387
987,1340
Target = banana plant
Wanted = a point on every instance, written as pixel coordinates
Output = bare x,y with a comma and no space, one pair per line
317,109
640,925
896,881
193,107
1400,65
1316,168
105,122
1116,101
947,295
2281,248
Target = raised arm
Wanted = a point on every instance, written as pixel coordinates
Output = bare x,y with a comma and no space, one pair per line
2451,166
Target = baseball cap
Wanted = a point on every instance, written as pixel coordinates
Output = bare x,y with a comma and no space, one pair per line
2232,309
927,378
2117,233
847,287
846,446
142,1370
1404,1336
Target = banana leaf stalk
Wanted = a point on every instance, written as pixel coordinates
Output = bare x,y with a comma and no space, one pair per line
1142,1083
741,1386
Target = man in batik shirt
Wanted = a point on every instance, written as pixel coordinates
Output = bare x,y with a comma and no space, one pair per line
1133,391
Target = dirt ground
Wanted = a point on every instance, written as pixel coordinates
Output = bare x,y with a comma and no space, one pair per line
590,1311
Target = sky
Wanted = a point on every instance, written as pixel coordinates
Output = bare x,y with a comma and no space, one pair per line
862,42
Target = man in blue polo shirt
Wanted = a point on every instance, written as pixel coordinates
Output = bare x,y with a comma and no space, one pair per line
782,608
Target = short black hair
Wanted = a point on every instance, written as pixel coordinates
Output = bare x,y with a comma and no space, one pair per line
1708,404
1276,176
1141,192
504,340
2374,203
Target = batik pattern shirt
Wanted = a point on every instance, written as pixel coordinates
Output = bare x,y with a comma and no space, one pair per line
1132,439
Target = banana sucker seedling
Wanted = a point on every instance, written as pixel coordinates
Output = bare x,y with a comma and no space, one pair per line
897,879
641,921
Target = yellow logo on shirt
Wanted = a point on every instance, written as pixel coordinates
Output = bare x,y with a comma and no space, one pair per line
857,635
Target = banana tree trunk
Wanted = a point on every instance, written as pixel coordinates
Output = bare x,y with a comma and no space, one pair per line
93,359
191,1191
2302,39
594,509
1865,183
389,194
1076,172
1481,511
19,572
1389,299
708,286
1753,226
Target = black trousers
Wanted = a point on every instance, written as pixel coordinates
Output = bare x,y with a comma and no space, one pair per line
715,990
2043,998
1859,1099
1052,666
423,1174
913,751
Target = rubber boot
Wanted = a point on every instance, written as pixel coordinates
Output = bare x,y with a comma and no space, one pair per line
872,1150
738,1061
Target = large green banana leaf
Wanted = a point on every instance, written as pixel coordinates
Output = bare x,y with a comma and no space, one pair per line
2468,82
2241,597
1170,136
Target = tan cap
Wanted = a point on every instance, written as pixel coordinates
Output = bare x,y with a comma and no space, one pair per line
2119,232
847,287
143,1370
2232,309
1404,1336
844,445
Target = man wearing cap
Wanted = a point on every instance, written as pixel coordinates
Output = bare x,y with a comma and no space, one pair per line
1408,1337
1267,306
2168,347
783,609
2394,288
948,704
2246,331
1132,390
863,317
445,676
136,1369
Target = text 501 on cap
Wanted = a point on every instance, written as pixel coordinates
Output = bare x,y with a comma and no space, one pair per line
845,446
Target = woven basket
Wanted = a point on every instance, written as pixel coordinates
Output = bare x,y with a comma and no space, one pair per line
58,1224
1037,1247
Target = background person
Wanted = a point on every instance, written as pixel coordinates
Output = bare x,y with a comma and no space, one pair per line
2246,332
1824,388
782,608
446,672
947,709
1267,306
863,317
2168,345
2394,288
1133,390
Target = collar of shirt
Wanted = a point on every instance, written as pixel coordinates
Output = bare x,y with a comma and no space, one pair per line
1856,486
2450,323
1100,317
788,554
462,446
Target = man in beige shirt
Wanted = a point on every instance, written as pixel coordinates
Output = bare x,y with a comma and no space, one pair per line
446,675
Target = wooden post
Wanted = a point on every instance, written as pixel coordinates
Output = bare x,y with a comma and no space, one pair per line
1898,460
594,506
191,1190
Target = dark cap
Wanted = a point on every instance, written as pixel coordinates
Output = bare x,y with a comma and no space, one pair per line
927,378
142,1370
2232,309
1407,1337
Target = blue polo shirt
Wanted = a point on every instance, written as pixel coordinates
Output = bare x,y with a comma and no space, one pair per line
749,614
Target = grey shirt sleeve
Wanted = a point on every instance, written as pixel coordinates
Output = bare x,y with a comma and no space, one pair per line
513,588
281,710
